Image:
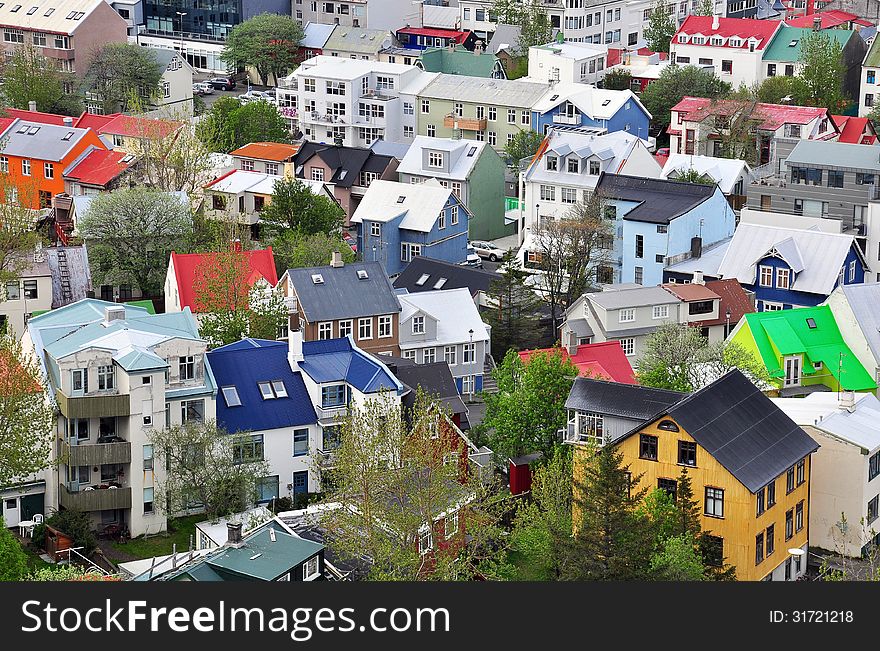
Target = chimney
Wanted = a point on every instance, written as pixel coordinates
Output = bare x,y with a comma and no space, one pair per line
715,21
847,401
478,48
295,346
67,121
817,23
235,245
696,247
233,533
698,278
114,313
32,106
336,260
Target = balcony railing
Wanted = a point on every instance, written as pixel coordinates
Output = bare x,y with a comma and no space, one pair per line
331,413
571,435
290,304
561,118
326,458
97,454
465,124
96,406
96,499
512,203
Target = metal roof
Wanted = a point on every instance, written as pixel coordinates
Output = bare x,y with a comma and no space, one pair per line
823,411
614,299
456,315
708,262
41,141
726,172
456,275
462,154
500,92
343,293
262,558
618,399
421,205
54,16
658,201
786,43
837,155
864,301
337,360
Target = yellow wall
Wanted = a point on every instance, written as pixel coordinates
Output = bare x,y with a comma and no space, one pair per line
740,525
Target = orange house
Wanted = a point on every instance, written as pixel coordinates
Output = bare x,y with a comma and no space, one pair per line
34,156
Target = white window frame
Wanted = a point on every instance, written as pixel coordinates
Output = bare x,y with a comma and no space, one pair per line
365,326
627,315
346,327
449,354
418,325
783,278
311,576
628,343
325,330
469,353
765,273
660,312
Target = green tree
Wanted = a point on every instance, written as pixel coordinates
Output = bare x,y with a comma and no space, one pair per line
67,573
230,125
661,28
13,560
823,71
782,89
874,117
131,233
704,8
294,207
121,75
27,417
170,157
691,175
529,15
528,410
29,76
513,313
74,524
293,250
524,144
17,235
268,43
616,79
676,82
612,539
677,560
207,466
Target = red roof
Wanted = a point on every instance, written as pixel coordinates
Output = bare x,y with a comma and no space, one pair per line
733,298
4,123
36,116
744,28
94,120
99,167
856,131
459,36
604,361
772,116
129,125
275,151
262,265
830,18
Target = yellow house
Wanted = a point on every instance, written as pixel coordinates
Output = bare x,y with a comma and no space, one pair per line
749,465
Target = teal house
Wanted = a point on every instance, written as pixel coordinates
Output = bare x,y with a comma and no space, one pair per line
461,61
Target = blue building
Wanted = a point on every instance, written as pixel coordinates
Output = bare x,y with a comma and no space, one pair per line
398,221
582,105
788,268
656,220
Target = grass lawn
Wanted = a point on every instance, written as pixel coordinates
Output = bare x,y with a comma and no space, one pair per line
33,559
179,533
526,570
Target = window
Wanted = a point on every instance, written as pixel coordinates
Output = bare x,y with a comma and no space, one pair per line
310,569
192,410
852,270
872,508
771,543
247,448
799,516
569,195
431,130
79,376
687,453
418,325
640,246
628,346
548,193
325,330
760,502
468,353
230,395
267,488
759,548
572,165
4,164
835,179
426,106
511,116
648,447
766,279
874,466
148,457
714,503
870,76
449,355
660,312
525,117
26,167
668,485
789,524
148,499
187,367
345,328
453,212
726,67
468,384
552,163
771,494
864,179
333,396
106,378
627,315
429,355
384,326
435,159
426,541
789,480
638,275
49,170
782,278
300,442
147,412
365,328
458,109
800,469
441,220
317,173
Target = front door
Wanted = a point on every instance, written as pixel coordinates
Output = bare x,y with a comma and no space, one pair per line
11,512
301,482
792,371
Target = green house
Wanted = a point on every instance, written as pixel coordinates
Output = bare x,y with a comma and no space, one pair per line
461,61
803,351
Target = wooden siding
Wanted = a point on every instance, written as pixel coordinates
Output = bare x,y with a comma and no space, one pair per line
95,500
93,406
97,454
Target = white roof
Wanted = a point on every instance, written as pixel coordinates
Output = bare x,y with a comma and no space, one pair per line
440,17
343,68
455,311
708,262
572,50
726,172
820,255
463,155
316,35
644,70
597,103
515,93
820,410
420,205
64,16
217,531
243,181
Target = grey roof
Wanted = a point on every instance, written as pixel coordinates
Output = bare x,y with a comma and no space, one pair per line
621,400
394,149
861,426
743,430
708,262
316,35
614,299
659,200
342,294
434,379
500,92
358,39
456,275
860,158
580,327
506,37
26,139
864,301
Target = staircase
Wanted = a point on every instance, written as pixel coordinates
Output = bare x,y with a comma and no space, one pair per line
489,384
64,277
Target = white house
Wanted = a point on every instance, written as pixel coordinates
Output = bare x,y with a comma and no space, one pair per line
567,62
869,84
730,174
175,98
855,309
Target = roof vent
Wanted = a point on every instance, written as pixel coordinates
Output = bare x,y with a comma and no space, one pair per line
362,274
318,279
114,313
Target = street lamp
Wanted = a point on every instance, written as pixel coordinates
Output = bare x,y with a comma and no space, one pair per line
180,15
727,327
473,360
798,554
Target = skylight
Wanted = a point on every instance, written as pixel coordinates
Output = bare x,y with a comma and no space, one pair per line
23,129
68,135
401,199
793,43
554,98
439,284
230,394
49,11
279,388
32,11
33,130
15,8
272,389
362,274
472,151
811,323
606,102
266,390
318,279
423,279
71,15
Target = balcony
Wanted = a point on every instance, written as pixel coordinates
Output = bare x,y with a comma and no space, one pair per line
290,304
58,53
93,406
561,118
571,435
97,454
96,499
331,413
323,118
465,124
326,459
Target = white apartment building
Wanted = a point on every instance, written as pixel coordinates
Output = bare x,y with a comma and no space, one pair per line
567,63
353,102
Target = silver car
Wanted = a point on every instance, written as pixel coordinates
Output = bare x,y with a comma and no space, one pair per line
487,250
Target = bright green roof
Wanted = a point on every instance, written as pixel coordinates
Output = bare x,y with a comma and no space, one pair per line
146,304
781,48
872,58
459,61
787,332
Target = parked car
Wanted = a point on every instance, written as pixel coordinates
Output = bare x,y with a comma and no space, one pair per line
222,83
487,250
473,260
202,88
255,96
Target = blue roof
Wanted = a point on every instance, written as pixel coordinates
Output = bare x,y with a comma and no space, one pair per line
244,364
337,360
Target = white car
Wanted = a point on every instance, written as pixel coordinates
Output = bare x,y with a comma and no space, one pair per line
473,260
255,96
203,88
488,251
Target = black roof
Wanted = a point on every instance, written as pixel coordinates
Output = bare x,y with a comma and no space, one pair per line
457,276
618,399
526,459
342,294
346,162
435,379
660,200
743,430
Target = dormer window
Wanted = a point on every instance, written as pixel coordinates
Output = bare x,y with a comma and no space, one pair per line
573,165
682,38
698,40
735,42
717,40
552,163
418,325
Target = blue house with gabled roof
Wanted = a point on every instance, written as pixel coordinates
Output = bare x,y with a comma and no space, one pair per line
583,105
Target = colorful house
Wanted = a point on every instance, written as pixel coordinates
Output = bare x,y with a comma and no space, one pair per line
605,360
422,38
583,105
803,351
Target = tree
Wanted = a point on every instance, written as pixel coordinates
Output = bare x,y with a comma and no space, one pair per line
676,82
68,573
677,560
294,207
17,235
524,144
572,251
28,76
782,89
528,410
393,488
612,540
208,467
170,157
13,560
75,524
691,175
513,313
230,125
679,358
704,8
293,250
268,43
823,71
27,418
530,16
616,79
131,233
660,29
842,567
122,74
231,306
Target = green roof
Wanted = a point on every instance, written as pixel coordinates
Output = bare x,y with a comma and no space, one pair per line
459,61
788,332
872,58
260,558
146,304
786,44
